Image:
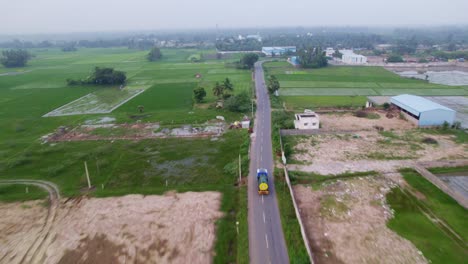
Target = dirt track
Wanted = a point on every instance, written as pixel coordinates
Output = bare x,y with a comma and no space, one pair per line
35,245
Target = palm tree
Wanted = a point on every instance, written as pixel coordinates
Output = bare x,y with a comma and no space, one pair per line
218,90
228,85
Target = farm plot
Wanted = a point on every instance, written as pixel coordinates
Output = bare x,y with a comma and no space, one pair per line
350,81
102,101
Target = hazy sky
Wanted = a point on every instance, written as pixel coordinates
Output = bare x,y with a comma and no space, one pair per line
55,16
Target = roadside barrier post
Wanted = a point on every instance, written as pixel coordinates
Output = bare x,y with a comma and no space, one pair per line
87,175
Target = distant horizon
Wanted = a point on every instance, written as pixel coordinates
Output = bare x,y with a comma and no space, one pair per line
246,28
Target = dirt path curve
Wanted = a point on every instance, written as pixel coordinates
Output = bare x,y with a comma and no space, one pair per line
37,248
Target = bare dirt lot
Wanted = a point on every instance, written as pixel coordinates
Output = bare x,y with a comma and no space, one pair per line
348,121
371,150
346,223
175,228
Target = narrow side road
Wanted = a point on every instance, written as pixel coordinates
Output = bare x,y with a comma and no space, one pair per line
266,238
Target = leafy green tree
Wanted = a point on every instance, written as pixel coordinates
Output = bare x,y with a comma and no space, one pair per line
102,76
312,57
238,103
154,54
248,60
395,58
227,85
218,90
199,94
15,58
273,84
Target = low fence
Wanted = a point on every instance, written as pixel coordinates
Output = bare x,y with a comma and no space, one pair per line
298,132
296,208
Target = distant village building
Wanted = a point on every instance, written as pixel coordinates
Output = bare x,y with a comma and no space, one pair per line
278,51
349,57
354,59
307,120
256,37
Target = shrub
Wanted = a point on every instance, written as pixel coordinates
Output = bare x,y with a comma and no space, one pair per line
445,125
456,125
429,140
361,113
386,106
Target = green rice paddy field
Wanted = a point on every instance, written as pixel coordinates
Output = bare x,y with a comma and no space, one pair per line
310,88
122,167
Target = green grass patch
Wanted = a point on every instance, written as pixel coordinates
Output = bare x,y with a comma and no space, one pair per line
410,223
441,204
243,237
442,170
313,102
17,193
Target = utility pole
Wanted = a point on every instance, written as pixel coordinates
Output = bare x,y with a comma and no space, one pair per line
240,169
87,175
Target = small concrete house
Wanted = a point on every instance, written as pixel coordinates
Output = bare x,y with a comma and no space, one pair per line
307,120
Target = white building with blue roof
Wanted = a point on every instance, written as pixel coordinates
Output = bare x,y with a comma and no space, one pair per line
422,111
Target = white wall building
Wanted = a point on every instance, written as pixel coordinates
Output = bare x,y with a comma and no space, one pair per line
307,120
353,59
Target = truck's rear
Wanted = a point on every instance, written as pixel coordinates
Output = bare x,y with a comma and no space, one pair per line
262,181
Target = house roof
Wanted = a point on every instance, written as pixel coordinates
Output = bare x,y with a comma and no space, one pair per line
416,104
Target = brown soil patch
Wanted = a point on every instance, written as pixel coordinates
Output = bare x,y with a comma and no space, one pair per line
20,224
174,228
369,150
350,122
346,223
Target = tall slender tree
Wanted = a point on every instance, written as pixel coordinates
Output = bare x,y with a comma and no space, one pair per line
218,90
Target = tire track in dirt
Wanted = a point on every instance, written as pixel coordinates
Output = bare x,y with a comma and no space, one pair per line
37,248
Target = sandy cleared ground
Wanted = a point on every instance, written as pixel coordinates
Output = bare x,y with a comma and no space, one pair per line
173,228
369,150
350,122
346,223
18,222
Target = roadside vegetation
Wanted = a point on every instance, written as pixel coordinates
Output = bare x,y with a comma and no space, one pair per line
292,233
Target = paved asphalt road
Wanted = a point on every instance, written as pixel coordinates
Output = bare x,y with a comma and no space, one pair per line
266,238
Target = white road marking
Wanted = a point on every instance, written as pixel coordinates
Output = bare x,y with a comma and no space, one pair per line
266,239
261,159
264,219
262,199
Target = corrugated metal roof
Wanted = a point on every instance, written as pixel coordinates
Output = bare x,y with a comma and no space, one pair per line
417,104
